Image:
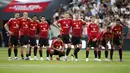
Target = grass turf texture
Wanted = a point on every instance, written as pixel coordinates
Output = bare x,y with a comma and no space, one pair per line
22,66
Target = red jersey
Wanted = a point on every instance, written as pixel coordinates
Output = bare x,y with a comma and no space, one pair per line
117,30
24,26
57,44
33,28
107,35
65,25
43,29
99,37
93,31
13,24
77,27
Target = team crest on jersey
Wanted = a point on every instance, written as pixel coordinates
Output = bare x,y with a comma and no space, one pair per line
77,26
67,25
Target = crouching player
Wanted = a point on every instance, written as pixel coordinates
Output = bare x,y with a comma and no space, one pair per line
105,37
65,24
117,39
57,48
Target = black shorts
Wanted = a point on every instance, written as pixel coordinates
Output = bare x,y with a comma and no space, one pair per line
104,43
66,38
24,40
43,41
32,41
76,40
92,44
58,53
13,40
117,41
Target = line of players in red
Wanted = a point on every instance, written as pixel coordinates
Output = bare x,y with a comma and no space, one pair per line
25,29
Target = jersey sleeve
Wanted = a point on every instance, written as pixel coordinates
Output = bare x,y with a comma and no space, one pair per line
83,22
58,21
113,27
53,42
88,31
98,34
20,22
9,22
62,44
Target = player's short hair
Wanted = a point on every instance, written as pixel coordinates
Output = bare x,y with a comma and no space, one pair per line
66,13
118,20
16,13
34,16
25,12
59,36
42,16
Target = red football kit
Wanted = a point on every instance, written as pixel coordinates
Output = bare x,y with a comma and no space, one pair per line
33,28
57,44
93,31
77,27
14,24
65,25
117,30
24,26
43,29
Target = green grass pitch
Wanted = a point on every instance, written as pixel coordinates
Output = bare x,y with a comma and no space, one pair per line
65,66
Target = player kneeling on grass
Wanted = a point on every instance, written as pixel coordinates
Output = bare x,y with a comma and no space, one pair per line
57,48
105,37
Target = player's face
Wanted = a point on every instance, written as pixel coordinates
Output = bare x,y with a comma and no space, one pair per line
16,15
117,22
25,15
108,29
42,19
77,16
59,39
92,19
34,18
66,15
